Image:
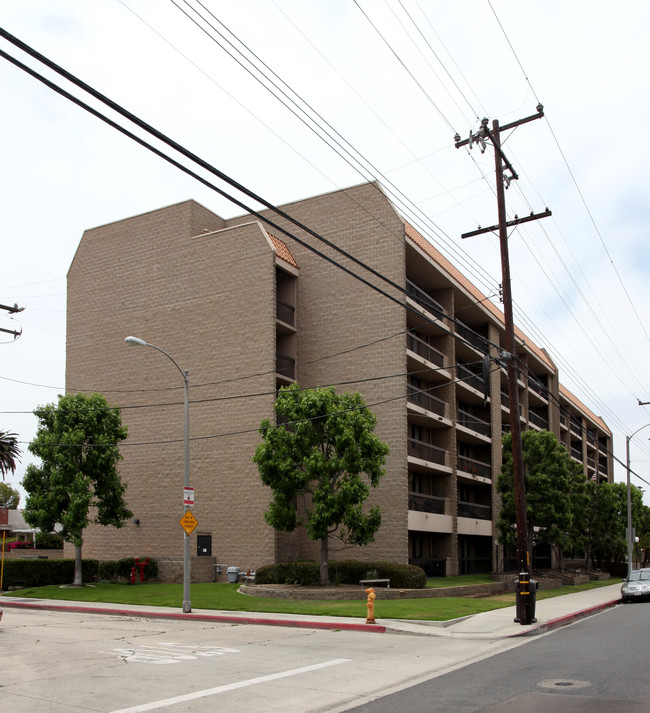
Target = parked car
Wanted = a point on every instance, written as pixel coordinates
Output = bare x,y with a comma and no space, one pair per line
636,585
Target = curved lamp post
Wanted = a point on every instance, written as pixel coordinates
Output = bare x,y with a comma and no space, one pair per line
630,537
136,341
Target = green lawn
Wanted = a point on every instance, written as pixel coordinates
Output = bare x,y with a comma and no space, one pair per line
226,597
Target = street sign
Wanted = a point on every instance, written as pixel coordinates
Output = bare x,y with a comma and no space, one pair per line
188,496
188,522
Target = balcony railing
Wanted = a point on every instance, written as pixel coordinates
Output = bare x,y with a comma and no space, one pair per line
427,503
475,467
285,365
474,423
285,312
538,420
474,510
426,401
426,351
469,335
424,299
467,376
534,385
425,451
576,453
575,426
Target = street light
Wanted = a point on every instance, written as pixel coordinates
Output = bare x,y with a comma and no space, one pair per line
629,499
136,341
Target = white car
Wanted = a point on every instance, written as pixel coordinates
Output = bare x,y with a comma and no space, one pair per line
636,585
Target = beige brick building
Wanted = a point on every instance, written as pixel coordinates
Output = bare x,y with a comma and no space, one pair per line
246,312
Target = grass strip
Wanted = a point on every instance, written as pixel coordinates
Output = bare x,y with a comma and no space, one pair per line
226,597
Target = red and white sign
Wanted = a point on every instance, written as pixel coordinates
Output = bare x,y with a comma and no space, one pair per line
188,496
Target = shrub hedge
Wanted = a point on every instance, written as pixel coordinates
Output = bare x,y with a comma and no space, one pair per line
41,572
307,573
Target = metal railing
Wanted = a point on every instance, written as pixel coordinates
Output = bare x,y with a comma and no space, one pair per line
538,420
425,451
576,453
425,400
467,376
474,423
426,351
285,365
475,339
474,467
427,503
424,299
474,510
285,312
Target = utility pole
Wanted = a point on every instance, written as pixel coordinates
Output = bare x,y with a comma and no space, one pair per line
525,606
12,310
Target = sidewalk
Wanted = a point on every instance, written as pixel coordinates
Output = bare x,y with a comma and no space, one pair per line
496,624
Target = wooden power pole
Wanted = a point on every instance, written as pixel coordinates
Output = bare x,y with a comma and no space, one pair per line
525,607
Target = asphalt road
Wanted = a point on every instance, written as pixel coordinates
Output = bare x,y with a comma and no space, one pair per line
597,665
56,662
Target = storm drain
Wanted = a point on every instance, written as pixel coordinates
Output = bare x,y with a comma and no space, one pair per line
563,684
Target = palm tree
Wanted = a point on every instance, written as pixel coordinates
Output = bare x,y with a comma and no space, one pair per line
9,452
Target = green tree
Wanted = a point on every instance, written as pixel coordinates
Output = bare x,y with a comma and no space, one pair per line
9,452
77,442
9,497
556,498
314,466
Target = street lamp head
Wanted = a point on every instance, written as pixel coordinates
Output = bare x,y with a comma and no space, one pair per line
136,341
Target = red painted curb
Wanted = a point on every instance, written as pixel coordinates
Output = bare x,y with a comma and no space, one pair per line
221,618
575,616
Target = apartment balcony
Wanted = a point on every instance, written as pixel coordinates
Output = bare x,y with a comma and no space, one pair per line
472,338
575,426
468,377
426,452
425,400
424,350
285,367
285,313
474,467
419,502
537,388
592,441
424,299
474,423
474,510
537,420
576,453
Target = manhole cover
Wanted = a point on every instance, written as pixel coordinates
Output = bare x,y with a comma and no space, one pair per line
564,683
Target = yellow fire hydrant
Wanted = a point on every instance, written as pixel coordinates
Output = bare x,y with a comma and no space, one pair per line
370,619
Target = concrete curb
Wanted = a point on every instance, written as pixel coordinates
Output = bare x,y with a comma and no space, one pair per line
575,616
220,618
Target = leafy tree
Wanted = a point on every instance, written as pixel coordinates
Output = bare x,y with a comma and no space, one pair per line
556,499
314,466
77,442
9,452
9,497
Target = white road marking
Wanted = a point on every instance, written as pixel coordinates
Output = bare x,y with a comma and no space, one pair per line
153,705
168,653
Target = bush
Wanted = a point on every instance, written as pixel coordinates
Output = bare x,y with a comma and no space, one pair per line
41,572
45,541
122,569
403,576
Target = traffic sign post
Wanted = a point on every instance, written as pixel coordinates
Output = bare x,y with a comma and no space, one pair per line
188,522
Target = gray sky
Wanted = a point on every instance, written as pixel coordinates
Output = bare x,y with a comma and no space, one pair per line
395,80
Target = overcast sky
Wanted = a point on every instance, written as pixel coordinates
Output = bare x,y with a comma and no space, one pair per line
393,81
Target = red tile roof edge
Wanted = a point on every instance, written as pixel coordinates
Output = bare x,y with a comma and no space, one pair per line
282,250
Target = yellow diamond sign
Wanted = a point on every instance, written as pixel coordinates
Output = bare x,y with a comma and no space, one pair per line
189,522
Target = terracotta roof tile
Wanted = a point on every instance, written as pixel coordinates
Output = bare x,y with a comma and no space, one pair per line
282,250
